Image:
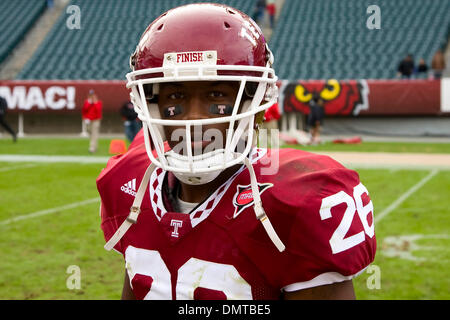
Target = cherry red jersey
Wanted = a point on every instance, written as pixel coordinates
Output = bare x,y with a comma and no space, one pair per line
319,209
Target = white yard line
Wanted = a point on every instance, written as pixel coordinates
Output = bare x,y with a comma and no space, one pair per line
384,160
23,166
52,159
394,205
357,160
50,211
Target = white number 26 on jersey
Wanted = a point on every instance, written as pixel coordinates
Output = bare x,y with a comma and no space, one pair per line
338,242
192,275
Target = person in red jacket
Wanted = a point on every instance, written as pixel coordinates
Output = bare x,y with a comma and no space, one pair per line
271,10
92,116
271,117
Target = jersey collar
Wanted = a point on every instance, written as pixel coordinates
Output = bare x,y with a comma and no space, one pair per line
161,205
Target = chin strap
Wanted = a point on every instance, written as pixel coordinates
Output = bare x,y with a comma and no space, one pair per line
259,210
134,210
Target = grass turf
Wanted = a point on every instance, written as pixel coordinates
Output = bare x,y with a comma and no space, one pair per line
79,146
36,253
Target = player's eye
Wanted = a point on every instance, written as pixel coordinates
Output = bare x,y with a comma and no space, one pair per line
172,111
221,109
216,94
176,96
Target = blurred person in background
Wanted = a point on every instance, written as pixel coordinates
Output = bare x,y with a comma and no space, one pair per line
405,68
92,116
3,123
258,11
315,117
422,69
131,123
271,10
438,64
422,66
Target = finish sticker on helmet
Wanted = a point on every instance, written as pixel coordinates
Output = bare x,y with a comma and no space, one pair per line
174,60
189,57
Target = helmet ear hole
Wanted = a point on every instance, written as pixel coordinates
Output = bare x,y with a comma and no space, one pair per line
132,61
250,89
230,11
155,114
150,94
148,90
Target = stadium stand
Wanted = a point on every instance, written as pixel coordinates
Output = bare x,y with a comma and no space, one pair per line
101,48
323,39
312,39
16,18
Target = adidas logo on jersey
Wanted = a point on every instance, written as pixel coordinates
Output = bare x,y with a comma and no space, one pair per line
129,187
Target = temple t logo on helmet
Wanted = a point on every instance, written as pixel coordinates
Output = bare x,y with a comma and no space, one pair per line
201,42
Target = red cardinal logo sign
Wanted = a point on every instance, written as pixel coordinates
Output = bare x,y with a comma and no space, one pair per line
244,196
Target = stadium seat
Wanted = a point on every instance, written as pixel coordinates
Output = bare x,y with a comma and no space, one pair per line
101,48
333,34
16,18
311,40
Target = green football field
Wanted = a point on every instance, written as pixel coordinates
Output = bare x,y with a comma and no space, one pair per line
50,226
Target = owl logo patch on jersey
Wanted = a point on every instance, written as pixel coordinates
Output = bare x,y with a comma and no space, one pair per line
244,197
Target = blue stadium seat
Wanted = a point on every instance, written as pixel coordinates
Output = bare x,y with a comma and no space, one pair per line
16,18
312,39
334,34
109,33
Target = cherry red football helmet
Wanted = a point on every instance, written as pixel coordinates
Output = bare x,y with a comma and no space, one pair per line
202,42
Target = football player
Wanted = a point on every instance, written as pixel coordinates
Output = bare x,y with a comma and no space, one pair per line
197,210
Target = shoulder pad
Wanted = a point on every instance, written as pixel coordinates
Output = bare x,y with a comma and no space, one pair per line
324,216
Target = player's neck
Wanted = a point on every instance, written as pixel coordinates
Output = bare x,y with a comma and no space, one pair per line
198,193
